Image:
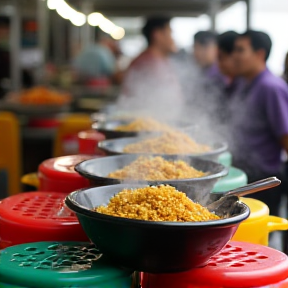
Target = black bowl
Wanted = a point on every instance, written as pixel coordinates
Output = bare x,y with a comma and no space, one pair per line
116,147
154,247
108,128
96,170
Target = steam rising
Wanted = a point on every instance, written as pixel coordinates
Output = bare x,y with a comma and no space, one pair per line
182,96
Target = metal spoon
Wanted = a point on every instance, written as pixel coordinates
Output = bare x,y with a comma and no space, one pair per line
226,204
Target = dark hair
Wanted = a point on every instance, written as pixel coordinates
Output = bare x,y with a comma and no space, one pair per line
259,41
205,37
152,24
226,41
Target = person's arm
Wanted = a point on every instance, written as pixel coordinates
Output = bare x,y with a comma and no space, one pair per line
276,105
284,142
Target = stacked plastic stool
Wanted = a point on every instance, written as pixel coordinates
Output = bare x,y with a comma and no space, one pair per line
58,265
58,175
37,216
238,265
88,142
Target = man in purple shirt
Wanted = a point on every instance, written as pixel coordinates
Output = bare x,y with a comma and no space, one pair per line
226,63
205,53
259,116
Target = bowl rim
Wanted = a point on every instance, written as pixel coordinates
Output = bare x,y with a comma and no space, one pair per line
80,209
223,146
78,168
102,129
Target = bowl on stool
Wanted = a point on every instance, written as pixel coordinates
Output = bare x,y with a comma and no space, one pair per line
37,216
116,147
147,245
97,170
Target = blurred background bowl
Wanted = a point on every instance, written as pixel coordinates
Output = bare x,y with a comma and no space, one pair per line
116,147
96,170
109,128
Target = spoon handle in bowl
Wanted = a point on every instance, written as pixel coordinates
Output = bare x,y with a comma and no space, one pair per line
255,187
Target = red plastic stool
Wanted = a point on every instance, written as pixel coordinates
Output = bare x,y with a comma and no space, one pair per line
58,174
238,265
35,217
88,142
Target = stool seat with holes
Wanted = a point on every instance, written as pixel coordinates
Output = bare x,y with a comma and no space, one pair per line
58,265
238,265
37,216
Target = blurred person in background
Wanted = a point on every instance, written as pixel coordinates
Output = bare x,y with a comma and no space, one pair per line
97,60
259,118
205,52
4,55
27,79
150,82
226,63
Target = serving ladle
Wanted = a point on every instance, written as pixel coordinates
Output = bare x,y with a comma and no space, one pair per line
226,206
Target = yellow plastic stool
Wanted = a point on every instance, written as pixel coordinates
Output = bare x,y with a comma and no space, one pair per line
70,125
257,227
10,155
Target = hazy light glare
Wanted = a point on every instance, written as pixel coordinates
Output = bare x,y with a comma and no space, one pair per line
118,33
52,4
64,10
79,19
95,19
67,12
107,26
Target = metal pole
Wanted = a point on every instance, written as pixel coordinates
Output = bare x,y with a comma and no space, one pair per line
15,38
248,14
86,33
58,39
43,29
74,39
214,9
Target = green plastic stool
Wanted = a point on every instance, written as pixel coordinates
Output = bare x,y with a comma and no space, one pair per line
235,178
225,159
57,265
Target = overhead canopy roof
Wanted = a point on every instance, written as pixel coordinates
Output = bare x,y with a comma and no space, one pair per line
149,7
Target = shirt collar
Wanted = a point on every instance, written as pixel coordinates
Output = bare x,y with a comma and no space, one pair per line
250,85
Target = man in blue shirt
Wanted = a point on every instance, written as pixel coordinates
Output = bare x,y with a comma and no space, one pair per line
96,60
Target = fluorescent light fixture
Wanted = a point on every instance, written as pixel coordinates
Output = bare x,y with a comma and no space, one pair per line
107,26
95,19
79,19
52,4
118,33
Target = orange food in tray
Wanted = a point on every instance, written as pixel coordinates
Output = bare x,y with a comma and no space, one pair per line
43,96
